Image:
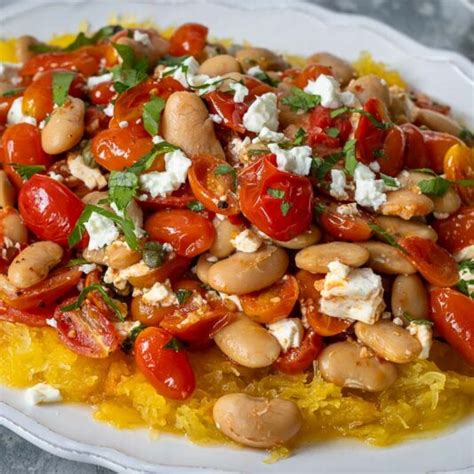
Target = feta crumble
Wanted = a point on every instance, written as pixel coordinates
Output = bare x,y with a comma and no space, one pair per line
124,328
255,71
87,268
424,334
247,241
93,81
466,274
369,191
42,393
56,176
216,118
102,231
348,209
330,92
160,294
295,160
337,188
233,298
16,115
288,332
466,253
240,91
266,136
263,112
91,177
109,110
142,38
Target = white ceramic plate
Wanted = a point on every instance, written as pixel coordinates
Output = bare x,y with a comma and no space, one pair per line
69,431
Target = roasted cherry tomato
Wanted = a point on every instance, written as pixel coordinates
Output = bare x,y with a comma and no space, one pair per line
178,199
310,73
437,144
189,233
95,121
148,314
164,363
5,105
354,228
188,39
209,185
309,302
432,261
49,209
457,231
273,303
45,292
117,148
22,145
33,317
86,330
452,313
327,131
298,359
102,93
459,165
416,155
278,203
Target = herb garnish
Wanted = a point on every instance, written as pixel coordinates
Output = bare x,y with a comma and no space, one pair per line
127,344
320,167
61,83
13,92
463,285
264,77
332,132
301,100
285,207
182,295
131,72
375,122
386,236
173,344
226,169
153,254
438,186
466,135
389,181
27,171
411,319
350,162
195,206
276,193
152,114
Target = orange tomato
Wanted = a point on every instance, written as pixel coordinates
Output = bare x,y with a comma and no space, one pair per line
188,39
457,231
273,303
310,73
437,144
458,165
346,227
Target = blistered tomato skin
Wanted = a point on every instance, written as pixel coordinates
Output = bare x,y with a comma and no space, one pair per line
188,39
36,317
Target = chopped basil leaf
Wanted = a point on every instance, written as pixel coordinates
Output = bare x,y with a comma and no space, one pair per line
285,207
463,284
226,169
128,343
172,61
336,112
77,261
300,137
389,181
195,206
13,92
332,132
320,167
350,162
27,171
82,40
435,186
385,236
40,48
182,295
276,193
131,71
152,114
319,209
466,135
464,182
301,100
153,254
375,122
425,170
61,83
107,299
379,153
173,344
411,319
123,187
264,77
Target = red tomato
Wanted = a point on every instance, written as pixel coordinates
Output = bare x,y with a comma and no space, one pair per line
117,148
208,186
188,39
457,231
346,227
189,233
49,209
280,218
166,368
432,261
273,303
459,165
34,317
310,73
437,144
5,104
416,155
178,199
452,313
102,93
299,359
86,330
46,292
95,121
320,121
22,144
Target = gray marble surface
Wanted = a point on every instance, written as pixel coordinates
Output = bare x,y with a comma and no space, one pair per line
439,23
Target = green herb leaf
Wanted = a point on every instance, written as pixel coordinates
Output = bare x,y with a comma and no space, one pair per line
337,112
129,342
385,236
126,53
40,48
389,181
131,71
152,114
226,169
172,61
465,182
350,162
425,170
82,40
285,207
436,186
13,92
320,167
301,100
195,206
466,273
153,254
300,137
264,77
77,261
182,295
319,209
27,171
375,122
466,135
411,319
61,83
173,344
379,153
332,132
107,299
276,193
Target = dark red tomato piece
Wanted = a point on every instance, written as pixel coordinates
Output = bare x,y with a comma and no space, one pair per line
310,73
452,313
49,209
393,152
86,330
5,104
457,231
165,365
102,93
225,107
435,264
95,121
298,359
188,39
189,233
282,218
22,145
34,317
320,121
117,148
437,144
416,155
346,227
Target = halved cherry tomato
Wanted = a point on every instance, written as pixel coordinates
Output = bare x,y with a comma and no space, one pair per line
188,39
309,302
452,313
34,317
165,366
320,121
49,209
209,185
5,104
435,264
457,231
346,227
282,218
117,148
103,93
310,73
416,155
437,144
46,292
298,359
22,145
273,303
86,330
148,314
178,199
189,233
459,165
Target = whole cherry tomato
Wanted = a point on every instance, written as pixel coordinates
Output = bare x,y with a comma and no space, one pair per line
273,303
459,165
164,364
277,202
416,155
49,209
298,359
189,233
354,228
117,148
310,73
452,313
34,317
86,330
188,39
227,109
457,231
22,145
437,144
435,264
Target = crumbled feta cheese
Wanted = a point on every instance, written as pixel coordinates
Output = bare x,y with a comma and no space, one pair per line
330,92
135,214
87,268
255,71
375,166
189,67
237,146
142,38
247,241
466,253
123,124
93,81
56,176
109,110
295,160
157,139
42,393
124,328
51,322
369,191
263,112
160,183
160,294
424,334
211,258
16,115
91,177
398,321
467,274
119,278
240,91
266,136
204,84
102,231
352,293
337,188
233,298
441,215
216,118
288,332
348,209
